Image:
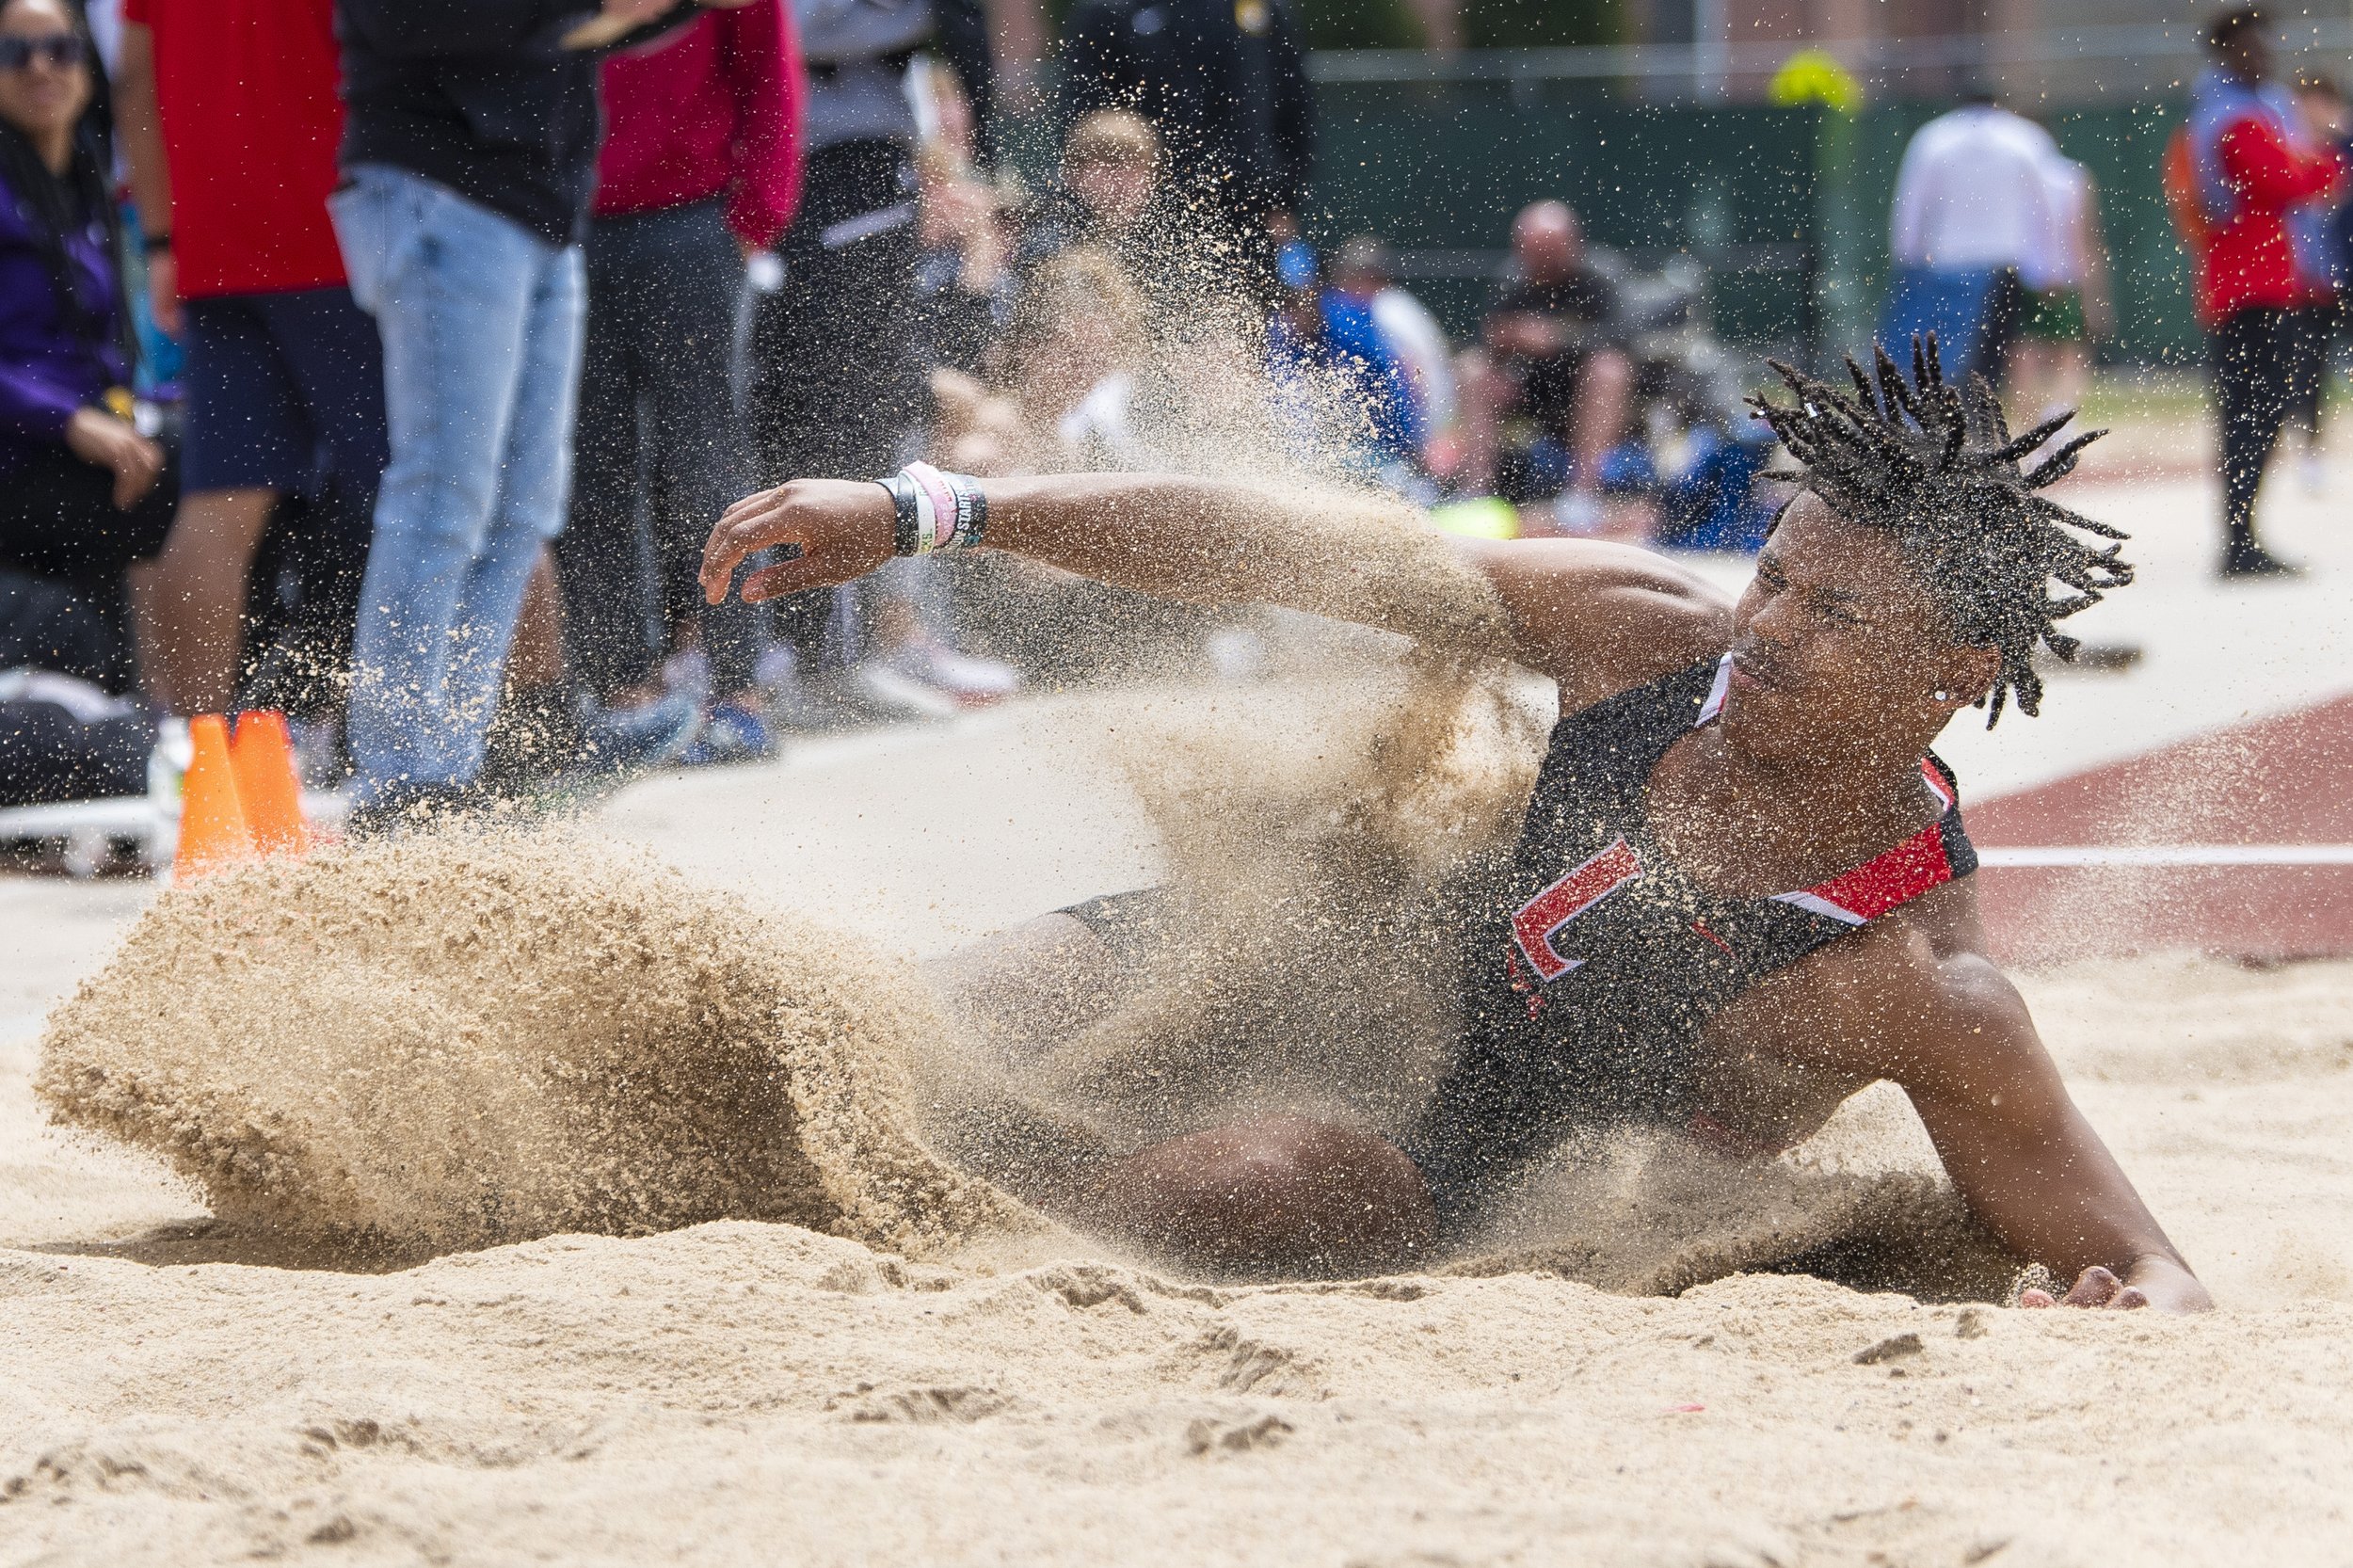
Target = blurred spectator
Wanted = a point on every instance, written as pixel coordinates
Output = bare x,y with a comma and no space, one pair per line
1225,85
837,382
700,165
229,118
1550,393
1064,395
964,279
84,493
2261,269
1364,271
1973,230
1337,378
469,153
2069,307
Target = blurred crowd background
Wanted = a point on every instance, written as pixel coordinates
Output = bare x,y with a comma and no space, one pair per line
387,361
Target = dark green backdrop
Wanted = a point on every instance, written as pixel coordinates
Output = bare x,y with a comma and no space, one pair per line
1788,206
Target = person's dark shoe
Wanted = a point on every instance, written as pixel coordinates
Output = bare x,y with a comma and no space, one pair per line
616,741
406,809
2252,561
732,731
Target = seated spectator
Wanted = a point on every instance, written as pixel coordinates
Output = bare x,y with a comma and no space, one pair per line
1066,382
84,493
1551,387
1111,196
963,278
1364,271
1338,383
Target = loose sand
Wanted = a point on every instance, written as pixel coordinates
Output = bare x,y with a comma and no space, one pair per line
184,1390
740,1391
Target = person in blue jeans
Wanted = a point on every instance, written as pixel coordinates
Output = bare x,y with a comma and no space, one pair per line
469,155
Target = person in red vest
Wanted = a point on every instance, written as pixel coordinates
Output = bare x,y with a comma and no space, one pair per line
230,118
2259,181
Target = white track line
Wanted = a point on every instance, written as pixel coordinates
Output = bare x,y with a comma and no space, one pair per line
2169,855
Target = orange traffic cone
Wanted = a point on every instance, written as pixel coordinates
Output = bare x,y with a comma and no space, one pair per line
213,830
267,785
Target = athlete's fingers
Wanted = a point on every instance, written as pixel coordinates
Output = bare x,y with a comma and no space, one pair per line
752,525
2035,1298
2128,1300
785,577
2094,1286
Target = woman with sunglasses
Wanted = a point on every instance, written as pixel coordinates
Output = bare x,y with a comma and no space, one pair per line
84,493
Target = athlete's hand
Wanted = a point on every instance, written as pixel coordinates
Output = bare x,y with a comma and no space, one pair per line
842,528
2156,1282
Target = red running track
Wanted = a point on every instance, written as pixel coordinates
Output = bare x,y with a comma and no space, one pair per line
2283,782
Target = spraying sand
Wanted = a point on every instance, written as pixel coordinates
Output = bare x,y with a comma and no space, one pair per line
464,1040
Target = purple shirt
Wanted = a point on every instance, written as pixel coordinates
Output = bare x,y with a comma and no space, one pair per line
50,365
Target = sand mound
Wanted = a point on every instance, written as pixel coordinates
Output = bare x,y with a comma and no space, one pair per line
460,1041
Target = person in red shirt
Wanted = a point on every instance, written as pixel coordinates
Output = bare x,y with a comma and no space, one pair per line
2258,180
230,118
701,167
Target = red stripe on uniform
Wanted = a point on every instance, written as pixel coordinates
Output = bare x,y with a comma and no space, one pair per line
1534,922
1892,877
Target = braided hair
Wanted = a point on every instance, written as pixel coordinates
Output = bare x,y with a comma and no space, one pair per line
1936,466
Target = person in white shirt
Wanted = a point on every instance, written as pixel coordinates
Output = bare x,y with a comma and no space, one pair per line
2069,307
1974,197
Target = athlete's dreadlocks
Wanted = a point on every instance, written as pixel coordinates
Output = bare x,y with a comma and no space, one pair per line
1936,466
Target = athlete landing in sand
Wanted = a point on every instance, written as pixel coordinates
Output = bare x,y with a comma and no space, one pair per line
1741,893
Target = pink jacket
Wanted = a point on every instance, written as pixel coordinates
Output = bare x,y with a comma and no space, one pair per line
713,108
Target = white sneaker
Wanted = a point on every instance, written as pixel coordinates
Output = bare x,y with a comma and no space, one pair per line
881,684
975,683
2313,471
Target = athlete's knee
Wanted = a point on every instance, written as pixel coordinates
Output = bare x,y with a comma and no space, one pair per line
1285,1194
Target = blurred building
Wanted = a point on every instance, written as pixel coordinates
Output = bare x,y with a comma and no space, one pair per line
2039,51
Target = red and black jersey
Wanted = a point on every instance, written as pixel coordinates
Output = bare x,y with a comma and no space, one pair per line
1586,990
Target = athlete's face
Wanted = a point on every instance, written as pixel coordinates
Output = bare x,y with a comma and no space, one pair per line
1837,642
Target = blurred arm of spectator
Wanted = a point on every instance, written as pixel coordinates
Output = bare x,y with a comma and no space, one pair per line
960,38
139,129
761,47
2267,172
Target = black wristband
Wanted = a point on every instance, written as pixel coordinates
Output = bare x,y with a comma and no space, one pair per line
905,524
154,244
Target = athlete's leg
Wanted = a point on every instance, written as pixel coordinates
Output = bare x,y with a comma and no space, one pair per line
1280,1194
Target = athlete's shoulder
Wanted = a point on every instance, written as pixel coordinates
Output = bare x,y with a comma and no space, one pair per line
1601,618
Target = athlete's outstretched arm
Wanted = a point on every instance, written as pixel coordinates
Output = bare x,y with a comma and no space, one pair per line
1562,607
2028,1164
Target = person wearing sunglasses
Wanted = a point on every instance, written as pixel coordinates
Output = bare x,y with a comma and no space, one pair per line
85,494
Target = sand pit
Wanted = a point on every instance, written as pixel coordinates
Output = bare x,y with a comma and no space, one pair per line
756,1392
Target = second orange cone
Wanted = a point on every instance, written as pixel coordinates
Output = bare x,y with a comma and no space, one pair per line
267,785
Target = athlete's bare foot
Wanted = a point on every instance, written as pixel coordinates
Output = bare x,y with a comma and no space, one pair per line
2155,1282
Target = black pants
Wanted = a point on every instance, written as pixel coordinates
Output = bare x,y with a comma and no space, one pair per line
2262,359
63,547
658,449
57,516
836,384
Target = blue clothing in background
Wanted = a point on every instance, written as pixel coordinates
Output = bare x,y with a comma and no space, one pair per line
1353,353
51,363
